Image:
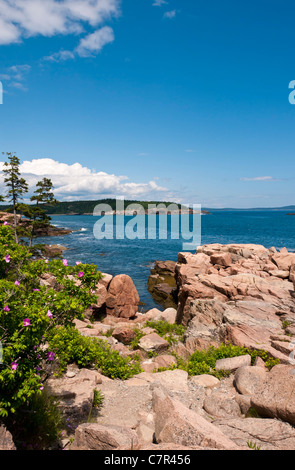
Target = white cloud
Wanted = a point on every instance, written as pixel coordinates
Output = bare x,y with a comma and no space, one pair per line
20,19
88,46
15,76
76,182
60,56
93,43
9,33
170,14
260,178
159,3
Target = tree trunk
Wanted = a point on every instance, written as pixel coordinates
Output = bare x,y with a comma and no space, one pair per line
15,223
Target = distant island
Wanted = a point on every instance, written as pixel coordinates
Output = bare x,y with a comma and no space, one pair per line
87,207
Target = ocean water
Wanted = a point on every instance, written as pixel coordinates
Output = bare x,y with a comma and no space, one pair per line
136,257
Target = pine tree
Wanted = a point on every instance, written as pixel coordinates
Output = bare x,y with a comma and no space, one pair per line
37,216
17,185
44,194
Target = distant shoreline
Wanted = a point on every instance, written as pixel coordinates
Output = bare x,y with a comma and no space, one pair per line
131,213
87,207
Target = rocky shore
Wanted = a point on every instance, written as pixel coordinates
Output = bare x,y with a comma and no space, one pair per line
46,231
242,295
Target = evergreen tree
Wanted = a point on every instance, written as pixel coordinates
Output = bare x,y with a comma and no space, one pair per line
43,193
37,217
16,185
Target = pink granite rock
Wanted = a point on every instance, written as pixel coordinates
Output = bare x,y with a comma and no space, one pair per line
122,299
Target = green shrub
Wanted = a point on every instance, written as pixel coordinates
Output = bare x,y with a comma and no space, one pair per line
72,347
204,361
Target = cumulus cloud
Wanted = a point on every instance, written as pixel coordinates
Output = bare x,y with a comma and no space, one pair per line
77,182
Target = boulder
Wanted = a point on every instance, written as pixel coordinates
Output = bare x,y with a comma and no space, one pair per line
248,379
98,437
264,434
284,260
169,315
122,299
222,259
275,396
102,293
165,360
153,343
233,363
221,403
205,380
124,335
153,314
176,423
164,267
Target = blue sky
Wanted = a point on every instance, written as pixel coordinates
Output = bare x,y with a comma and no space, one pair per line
180,100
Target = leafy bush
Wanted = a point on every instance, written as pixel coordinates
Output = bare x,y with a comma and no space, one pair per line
203,362
28,311
72,347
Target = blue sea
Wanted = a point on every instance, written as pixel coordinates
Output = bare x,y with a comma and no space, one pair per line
136,257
